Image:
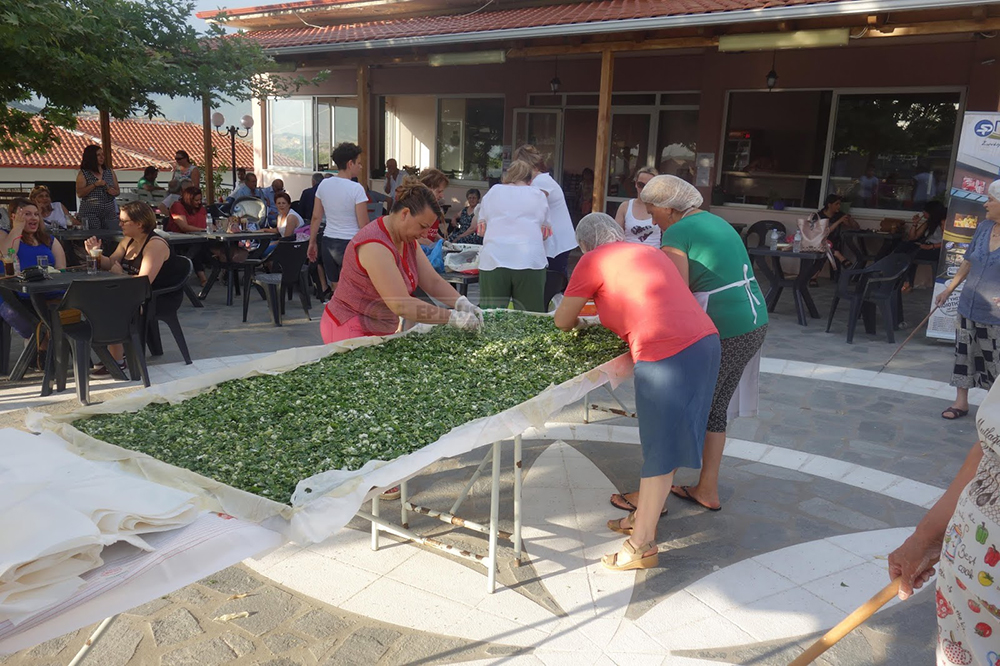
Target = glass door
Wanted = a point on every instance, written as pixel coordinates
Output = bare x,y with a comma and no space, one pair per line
632,147
542,128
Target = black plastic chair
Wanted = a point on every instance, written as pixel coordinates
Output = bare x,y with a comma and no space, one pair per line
5,337
762,229
111,314
163,306
878,285
290,255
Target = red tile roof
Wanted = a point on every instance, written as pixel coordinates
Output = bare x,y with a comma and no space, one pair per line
135,144
594,11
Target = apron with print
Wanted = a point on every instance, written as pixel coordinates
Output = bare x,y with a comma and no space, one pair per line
746,399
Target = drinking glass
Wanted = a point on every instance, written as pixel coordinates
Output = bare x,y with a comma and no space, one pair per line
43,262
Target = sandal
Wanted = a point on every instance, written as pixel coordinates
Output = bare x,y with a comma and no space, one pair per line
630,557
391,494
955,412
619,501
616,525
686,490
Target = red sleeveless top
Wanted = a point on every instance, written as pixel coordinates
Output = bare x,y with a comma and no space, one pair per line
356,296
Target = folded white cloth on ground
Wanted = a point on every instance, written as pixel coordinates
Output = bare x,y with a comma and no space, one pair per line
58,511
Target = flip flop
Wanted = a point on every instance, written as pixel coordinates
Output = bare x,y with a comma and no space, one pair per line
955,412
619,502
690,498
616,525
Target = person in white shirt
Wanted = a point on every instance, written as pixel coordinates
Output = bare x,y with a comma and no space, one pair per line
563,238
53,213
344,204
632,216
512,263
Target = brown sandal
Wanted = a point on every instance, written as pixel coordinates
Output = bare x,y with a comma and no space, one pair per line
616,525
630,557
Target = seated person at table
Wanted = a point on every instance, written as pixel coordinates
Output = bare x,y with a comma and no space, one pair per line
289,223
438,183
30,240
141,253
174,190
465,231
53,213
189,216
248,190
838,220
148,180
924,238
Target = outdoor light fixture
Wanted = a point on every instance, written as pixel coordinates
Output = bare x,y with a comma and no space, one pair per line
246,122
772,76
796,39
475,58
555,82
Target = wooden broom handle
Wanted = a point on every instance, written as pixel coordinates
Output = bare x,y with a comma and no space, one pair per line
848,624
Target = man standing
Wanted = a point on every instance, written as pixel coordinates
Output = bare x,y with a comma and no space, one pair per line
277,187
393,177
344,205
308,197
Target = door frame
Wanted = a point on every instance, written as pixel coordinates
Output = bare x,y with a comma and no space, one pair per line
555,169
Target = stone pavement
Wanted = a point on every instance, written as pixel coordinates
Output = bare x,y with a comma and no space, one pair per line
816,490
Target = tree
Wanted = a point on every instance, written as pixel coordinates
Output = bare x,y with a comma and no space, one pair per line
116,55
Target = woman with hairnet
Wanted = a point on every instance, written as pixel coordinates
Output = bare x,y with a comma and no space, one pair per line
712,260
641,296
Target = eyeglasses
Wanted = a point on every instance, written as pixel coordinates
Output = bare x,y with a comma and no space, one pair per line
639,185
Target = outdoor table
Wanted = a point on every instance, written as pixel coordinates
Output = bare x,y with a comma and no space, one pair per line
178,240
856,242
37,309
461,281
229,241
769,263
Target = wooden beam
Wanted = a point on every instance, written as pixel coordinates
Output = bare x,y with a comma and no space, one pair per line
602,154
364,124
601,47
206,135
106,138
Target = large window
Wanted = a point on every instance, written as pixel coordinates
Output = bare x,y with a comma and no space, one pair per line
304,130
888,151
893,151
774,148
469,140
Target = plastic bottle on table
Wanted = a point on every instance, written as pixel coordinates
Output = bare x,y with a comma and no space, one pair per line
772,240
797,241
209,223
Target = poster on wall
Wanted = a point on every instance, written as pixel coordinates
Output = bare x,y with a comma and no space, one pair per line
977,165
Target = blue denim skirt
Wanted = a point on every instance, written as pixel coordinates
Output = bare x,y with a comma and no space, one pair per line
673,397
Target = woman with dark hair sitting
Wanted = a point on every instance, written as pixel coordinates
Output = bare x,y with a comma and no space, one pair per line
464,231
141,253
924,239
383,266
29,240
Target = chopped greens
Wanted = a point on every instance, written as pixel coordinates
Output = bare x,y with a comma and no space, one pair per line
263,434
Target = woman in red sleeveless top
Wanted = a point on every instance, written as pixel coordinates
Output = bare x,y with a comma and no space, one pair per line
382,268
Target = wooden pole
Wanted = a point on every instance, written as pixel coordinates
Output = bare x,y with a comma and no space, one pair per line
601,153
848,624
106,138
364,125
206,134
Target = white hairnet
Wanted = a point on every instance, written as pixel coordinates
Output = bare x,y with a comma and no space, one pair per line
994,190
596,229
671,192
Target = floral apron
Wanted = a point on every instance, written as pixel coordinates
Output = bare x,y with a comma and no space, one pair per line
968,585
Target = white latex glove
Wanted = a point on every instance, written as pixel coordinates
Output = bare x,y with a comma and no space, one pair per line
586,322
466,321
463,304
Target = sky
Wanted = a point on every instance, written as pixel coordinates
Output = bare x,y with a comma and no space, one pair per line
181,108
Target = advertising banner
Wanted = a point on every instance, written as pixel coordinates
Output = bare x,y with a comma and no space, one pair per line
977,165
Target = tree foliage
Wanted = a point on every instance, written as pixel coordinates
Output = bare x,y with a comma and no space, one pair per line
117,55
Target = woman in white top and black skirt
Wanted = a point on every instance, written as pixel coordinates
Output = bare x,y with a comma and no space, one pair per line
563,238
512,263
634,219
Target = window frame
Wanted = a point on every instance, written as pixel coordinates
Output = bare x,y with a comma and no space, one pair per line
314,104
452,182
836,94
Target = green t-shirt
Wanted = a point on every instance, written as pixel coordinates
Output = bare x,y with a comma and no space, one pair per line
716,257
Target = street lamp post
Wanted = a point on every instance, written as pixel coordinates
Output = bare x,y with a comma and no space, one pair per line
246,122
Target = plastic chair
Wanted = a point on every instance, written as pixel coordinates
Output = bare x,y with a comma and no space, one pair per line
762,229
291,256
878,285
111,314
163,306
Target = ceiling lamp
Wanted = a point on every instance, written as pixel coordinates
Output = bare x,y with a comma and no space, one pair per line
796,39
555,82
474,58
772,76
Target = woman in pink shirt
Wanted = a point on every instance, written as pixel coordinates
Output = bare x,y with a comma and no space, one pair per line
641,296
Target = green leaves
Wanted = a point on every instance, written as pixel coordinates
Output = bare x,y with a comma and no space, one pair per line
264,434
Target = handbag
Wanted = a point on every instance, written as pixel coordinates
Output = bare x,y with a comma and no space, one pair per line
814,232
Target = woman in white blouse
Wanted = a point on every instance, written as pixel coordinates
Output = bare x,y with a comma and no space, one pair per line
632,216
53,213
563,238
512,264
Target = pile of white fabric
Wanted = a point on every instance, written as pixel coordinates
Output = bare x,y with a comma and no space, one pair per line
58,511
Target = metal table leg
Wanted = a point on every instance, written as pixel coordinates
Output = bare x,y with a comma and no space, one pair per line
92,641
518,480
491,572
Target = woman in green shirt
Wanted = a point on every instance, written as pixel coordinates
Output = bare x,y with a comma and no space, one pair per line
711,256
